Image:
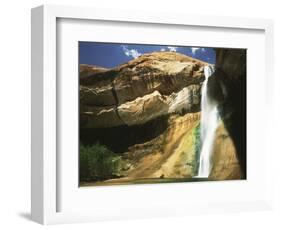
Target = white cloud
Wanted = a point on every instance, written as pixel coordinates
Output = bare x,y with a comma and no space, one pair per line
172,48
131,52
194,50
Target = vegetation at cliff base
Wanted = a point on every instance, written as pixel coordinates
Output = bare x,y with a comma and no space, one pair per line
97,162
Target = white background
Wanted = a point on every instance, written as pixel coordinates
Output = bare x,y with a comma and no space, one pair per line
15,114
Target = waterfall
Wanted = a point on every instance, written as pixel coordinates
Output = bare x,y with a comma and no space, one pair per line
208,125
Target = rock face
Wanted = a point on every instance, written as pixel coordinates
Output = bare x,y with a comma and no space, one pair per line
228,85
171,154
143,89
88,70
225,162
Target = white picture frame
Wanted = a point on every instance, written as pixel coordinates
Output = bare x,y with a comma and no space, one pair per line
46,182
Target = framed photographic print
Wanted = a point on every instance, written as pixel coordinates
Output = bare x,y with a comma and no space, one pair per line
137,114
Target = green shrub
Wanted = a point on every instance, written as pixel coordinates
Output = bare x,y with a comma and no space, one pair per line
97,162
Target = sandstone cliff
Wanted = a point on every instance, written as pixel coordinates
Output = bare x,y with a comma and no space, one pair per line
228,87
141,90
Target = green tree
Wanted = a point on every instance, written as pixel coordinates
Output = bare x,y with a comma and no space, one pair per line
97,162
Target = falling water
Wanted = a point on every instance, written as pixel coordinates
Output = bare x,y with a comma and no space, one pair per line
208,126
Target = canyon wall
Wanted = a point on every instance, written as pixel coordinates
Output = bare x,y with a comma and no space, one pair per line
228,87
139,91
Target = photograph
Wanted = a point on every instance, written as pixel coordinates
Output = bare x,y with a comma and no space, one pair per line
161,113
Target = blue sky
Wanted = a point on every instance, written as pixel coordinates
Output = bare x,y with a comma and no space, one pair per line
113,54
